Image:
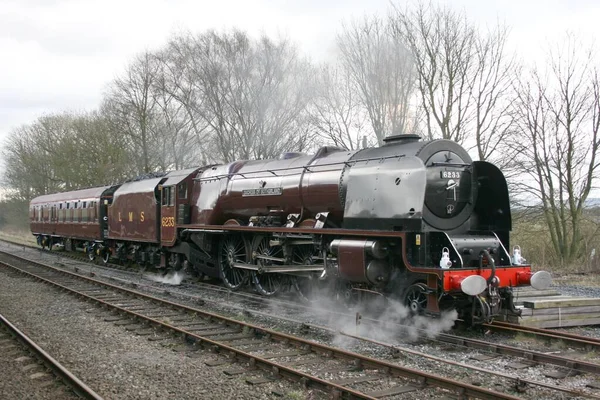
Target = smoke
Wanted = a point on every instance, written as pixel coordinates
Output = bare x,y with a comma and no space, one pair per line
171,278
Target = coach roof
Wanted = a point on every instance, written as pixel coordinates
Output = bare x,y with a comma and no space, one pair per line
89,193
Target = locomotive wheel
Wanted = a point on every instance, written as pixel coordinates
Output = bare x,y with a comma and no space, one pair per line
42,242
266,284
233,249
416,298
306,286
480,312
175,261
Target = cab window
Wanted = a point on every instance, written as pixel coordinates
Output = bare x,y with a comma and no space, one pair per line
182,191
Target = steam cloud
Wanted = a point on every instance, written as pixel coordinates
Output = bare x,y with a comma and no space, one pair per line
391,323
172,278
387,321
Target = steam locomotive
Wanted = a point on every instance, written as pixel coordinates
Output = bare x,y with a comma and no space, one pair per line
414,220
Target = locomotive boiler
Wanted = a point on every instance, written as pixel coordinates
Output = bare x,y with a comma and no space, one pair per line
413,220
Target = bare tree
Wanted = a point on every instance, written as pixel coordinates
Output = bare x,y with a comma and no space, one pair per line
492,93
442,43
382,71
180,145
248,97
464,76
130,103
556,149
180,66
337,113
63,152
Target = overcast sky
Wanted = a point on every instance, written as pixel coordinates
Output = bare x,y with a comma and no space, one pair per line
59,55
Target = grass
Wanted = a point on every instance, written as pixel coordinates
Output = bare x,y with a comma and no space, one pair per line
295,395
524,338
240,317
590,355
17,236
558,345
589,279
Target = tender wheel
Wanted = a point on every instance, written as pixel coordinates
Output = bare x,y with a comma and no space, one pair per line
266,284
91,252
49,242
306,286
106,256
233,249
41,240
416,298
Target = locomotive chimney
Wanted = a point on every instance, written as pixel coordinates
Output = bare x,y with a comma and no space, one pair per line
401,139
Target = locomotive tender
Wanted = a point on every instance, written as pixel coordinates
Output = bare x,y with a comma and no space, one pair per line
414,220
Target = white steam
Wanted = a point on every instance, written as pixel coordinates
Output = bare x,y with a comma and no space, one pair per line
171,278
391,323
387,321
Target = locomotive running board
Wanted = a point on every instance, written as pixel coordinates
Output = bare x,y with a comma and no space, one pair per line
282,269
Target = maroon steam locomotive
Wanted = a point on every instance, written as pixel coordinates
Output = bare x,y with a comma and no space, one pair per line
415,220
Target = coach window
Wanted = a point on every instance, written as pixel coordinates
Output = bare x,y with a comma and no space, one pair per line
182,191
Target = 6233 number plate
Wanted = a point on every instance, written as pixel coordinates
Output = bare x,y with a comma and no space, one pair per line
450,174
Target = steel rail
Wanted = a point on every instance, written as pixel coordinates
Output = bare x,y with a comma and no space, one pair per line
550,386
397,350
80,388
583,341
499,349
422,379
531,355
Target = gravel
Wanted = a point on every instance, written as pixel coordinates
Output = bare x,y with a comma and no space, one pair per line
115,363
221,303
22,377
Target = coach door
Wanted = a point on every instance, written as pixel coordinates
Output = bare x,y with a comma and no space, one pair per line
167,216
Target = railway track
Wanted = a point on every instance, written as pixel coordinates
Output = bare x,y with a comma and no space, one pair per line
10,333
567,366
342,373
585,342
